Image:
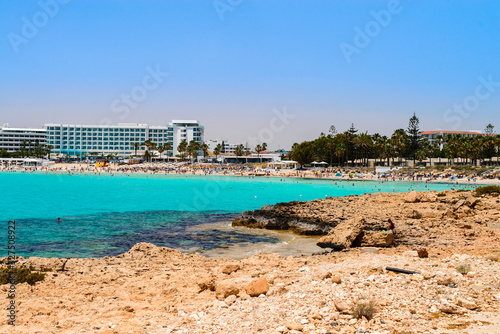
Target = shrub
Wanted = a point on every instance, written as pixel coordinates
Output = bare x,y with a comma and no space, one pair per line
487,190
22,275
365,308
441,194
463,268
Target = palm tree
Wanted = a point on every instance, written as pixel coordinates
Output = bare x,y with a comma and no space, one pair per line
160,150
167,147
204,148
192,149
259,148
181,148
217,150
49,150
238,151
136,146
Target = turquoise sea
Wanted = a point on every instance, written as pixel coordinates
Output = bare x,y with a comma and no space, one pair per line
106,215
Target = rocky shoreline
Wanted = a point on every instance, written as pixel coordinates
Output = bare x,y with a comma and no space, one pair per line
444,219
152,289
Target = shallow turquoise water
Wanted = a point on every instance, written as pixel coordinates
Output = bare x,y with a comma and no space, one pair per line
106,215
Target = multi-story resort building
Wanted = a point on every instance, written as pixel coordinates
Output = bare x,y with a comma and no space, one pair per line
226,146
432,136
13,139
73,139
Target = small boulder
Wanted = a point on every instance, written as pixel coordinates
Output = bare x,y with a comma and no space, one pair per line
445,280
466,304
343,235
293,326
344,306
230,268
336,279
413,197
422,253
207,283
449,308
257,287
225,289
230,300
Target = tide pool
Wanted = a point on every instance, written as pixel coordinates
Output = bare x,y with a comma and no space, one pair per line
106,215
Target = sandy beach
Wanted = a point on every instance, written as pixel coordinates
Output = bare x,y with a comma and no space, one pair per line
261,170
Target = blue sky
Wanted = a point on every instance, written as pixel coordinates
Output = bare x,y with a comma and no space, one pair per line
234,65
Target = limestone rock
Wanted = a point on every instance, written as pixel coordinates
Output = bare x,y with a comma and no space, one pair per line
412,197
422,253
257,287
230,268
344,306
466,304
343,235
445,280
336,279
207,283
376,239
293,326
446,307
225,289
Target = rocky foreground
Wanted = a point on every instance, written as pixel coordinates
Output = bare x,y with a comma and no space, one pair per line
153,289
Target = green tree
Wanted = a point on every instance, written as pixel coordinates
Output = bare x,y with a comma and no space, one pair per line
167,147
136,146
303,153
192,149
414,138
238,151
181,148
217,150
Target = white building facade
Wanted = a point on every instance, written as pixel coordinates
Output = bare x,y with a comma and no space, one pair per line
80,140
227,147
187,130
12,139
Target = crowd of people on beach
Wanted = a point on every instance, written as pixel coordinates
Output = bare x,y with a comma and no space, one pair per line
186,168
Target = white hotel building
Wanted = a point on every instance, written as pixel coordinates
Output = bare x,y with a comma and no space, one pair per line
11,139
74,139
